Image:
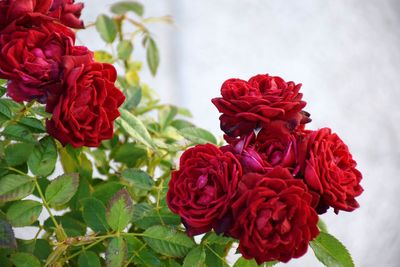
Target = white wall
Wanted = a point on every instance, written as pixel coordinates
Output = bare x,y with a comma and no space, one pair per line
345,52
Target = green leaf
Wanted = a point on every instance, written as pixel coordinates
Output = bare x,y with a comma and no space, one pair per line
215,260
106,27
42,249
198,135
105,191
44,157
133,97
180,124
5,110
116,252
124,49
88,259
119,210
62,189
322,225
121,8
72,226
242,262
166,115
19,133
145,216
103,56
330,251
140,181
195,258
213,238
33,124
22,259
140,253
24,213
15,187
17,154
133,155
7,238
168,241
135,128
153,57
94,215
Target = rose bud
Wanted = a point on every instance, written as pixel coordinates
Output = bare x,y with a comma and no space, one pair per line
202,189
246,106
331,171
85,111
273,216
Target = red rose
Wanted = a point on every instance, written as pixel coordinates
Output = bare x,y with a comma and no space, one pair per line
202,189
67,12
331,171
31,57
85,112
246,106
273,216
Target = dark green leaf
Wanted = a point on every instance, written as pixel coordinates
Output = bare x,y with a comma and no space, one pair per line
17,154
215,260
44,157
88,259
42,249
135,128
213,238
106,27
198,135
330,251
133,155
116,252
153,57
195,258
168,241
72,226
119,210
124,49
105,191
22,259
142,256
121,8
19,133
94,215
5,110
24,213
62,189
15,187
7,238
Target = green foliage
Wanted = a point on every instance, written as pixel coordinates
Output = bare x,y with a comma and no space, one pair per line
330,251
110,200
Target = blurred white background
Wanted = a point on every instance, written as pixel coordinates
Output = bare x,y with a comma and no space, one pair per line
346,53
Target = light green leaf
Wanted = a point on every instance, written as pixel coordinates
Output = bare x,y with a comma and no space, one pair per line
15,187
124,49
94,214
166,115
24,213
198,135
62,189
116,252
153,56
322,225
242,262
7,238
119,210
168,241
22,259
139,180
135,128
106,27
33,124
330,251
103,56
5,110
44,157
195,258
121,8
88,259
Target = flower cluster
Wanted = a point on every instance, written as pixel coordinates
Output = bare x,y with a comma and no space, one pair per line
268,185
39,58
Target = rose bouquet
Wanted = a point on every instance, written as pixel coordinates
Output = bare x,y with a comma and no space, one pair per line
86,164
